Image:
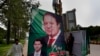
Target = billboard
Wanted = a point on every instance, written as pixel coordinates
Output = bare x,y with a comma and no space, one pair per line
46,34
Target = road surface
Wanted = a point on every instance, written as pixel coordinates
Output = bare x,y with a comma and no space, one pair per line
94,50
25,48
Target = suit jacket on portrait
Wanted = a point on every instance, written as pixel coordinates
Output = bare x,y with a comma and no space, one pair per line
60,42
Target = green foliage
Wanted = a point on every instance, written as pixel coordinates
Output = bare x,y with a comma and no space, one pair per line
92,30
15,18
2,35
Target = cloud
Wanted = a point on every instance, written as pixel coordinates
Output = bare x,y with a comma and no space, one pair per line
95,15
82,10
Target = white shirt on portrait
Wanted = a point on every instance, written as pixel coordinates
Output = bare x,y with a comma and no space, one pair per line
37,53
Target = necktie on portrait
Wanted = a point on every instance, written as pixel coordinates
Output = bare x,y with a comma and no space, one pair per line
50,41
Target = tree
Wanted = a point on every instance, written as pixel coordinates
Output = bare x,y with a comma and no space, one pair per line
16,18
2,35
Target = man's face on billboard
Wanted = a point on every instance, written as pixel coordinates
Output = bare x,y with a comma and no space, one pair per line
37,46
51,26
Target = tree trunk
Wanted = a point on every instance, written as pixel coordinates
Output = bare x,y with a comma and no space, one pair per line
8,32
15,32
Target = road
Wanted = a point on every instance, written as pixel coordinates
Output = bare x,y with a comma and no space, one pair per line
25,48
94,50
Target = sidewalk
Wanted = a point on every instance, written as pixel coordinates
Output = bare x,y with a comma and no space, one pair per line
25,48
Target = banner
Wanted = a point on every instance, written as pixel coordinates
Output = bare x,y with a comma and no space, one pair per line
46,34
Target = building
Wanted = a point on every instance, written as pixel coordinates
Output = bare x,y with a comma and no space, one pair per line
69,20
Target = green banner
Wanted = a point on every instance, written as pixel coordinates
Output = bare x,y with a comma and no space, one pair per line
47,28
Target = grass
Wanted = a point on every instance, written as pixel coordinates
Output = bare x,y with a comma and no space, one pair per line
4,48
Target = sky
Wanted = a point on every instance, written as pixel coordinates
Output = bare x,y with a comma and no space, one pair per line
87,11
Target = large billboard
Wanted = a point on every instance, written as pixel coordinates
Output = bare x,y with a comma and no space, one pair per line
46,34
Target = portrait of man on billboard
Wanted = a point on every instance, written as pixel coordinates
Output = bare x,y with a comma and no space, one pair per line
54,39
37,45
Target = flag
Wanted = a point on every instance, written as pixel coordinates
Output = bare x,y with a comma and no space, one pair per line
36,30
